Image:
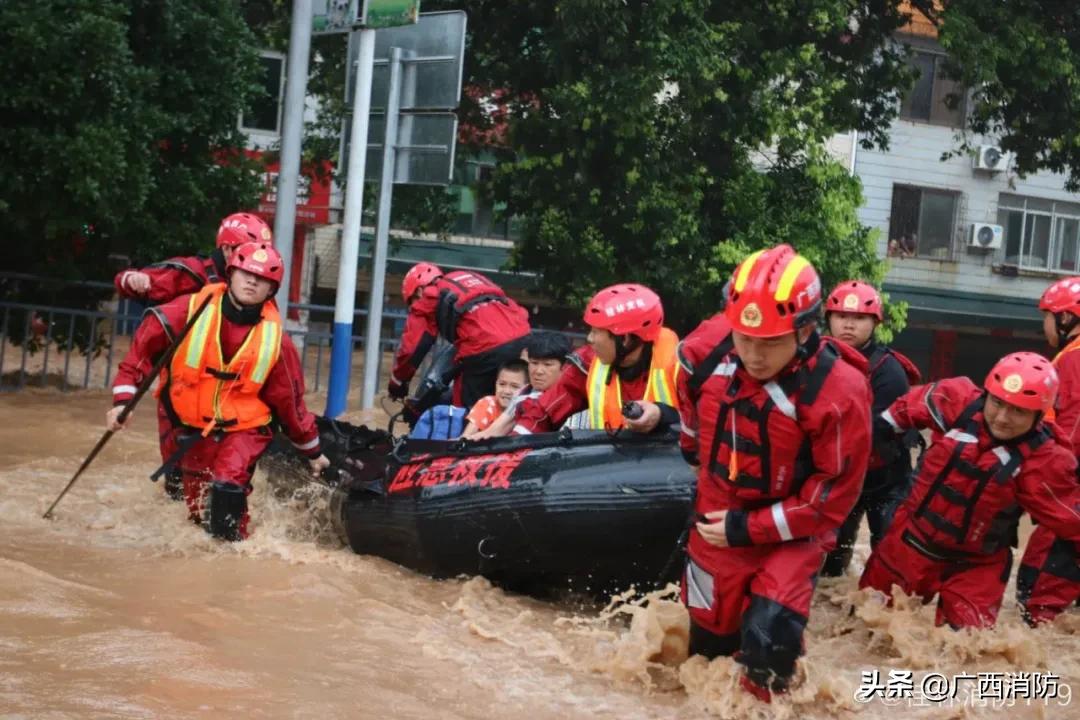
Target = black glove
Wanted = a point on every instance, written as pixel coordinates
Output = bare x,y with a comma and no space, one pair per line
398,391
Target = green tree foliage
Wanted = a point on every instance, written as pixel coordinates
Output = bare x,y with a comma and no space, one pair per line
637,133
118,130
1021,61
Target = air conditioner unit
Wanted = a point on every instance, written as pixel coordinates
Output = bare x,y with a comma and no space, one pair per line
991,158
986,236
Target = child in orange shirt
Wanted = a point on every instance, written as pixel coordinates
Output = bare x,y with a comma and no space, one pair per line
512,377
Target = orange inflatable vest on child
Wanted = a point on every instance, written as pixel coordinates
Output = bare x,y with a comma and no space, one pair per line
208,393
605,398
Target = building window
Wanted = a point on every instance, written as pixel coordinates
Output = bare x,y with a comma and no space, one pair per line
922,222
1040,234
930,98
264,114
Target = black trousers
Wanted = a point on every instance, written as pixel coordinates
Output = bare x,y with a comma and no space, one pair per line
878,504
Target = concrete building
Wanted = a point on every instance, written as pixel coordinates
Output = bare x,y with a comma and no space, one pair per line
971,246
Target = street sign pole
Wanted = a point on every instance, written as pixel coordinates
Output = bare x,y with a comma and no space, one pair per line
341,348
415,84
291,138
372,345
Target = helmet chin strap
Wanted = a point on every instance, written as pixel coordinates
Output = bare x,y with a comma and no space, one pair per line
1064,326
623,349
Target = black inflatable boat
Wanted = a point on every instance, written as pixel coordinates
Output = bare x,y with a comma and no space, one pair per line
584,510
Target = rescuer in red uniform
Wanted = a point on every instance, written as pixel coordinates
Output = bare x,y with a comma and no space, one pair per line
167,280
229,377
992,457
852,312
630,357
1048,580
781,425
487,328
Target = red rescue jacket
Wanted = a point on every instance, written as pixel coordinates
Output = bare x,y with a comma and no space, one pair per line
169,279
972,489
785,458
466,309
713,333
1066,412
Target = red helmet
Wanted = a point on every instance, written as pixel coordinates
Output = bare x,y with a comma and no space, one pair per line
1024,379
1062,296
258,258
240,228
627,309
855,296
419,276
773,292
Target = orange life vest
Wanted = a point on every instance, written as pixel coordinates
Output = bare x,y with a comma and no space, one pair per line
605,399
1074,345
208,393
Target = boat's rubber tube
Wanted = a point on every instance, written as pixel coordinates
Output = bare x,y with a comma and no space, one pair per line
585,511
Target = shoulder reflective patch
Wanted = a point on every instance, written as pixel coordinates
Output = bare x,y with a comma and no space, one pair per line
887,417
1003,455
783,404
961,436
699,587
725,369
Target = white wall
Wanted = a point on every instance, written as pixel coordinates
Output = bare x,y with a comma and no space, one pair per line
914,158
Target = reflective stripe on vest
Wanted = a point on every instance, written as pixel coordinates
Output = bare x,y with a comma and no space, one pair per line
802,386
605,399
207,393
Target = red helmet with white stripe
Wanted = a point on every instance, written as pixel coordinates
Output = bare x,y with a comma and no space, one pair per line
1024,379
627,309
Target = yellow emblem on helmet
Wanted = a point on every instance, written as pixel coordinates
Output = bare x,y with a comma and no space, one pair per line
851,301
260,255
1013,383
751,316
266,235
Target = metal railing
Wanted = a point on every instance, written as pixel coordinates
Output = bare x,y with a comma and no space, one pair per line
71,348
89,344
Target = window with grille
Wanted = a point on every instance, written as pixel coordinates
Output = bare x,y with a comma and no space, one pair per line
922,222
1040,234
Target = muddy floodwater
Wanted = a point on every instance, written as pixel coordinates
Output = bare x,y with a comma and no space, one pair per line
120,608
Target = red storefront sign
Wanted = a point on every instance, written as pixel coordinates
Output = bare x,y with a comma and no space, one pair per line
312,194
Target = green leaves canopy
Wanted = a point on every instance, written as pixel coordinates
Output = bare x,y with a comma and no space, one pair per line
660,141
118,129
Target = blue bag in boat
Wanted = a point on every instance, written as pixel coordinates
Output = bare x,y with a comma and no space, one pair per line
442,422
